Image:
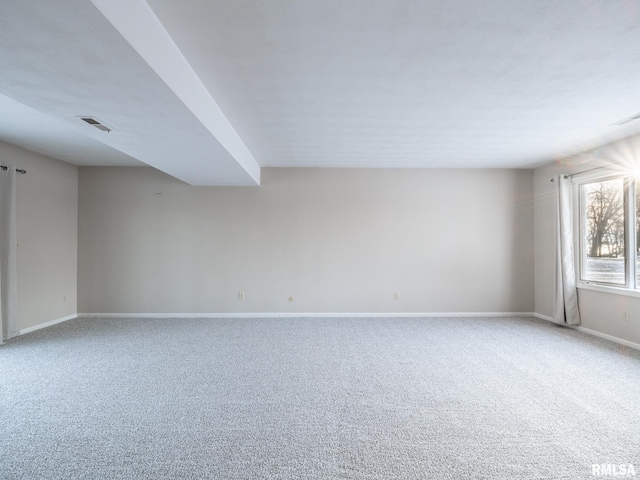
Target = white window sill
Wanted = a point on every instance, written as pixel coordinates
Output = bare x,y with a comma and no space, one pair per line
609,289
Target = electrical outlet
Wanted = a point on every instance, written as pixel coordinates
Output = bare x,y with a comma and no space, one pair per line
240,295
396,295
625,316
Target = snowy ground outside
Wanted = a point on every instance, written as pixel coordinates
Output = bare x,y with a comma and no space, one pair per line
610,270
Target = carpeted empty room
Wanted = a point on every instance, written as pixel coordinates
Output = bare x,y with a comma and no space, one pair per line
350,398
332,240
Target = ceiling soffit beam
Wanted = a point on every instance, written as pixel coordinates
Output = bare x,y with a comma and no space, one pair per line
139,26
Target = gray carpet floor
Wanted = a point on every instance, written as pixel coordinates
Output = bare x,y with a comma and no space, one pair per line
349,398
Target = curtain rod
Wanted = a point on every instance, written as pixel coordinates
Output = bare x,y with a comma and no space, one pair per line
19,170
587,171
571,175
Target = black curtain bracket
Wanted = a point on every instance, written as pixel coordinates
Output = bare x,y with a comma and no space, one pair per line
19,170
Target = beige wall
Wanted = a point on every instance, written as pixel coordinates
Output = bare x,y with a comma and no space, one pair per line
601,312
47,213
335,240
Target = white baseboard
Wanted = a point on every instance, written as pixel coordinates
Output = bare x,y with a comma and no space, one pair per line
48,324
307,315
543,317
611,338
595,333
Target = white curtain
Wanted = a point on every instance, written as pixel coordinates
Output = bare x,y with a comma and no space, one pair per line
8,274
566,296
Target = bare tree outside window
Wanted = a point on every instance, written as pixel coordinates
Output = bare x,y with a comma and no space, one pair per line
604,231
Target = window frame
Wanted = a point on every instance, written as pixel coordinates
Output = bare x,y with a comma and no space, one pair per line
631,185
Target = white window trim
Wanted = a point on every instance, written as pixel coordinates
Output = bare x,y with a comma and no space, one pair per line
584,285
629,289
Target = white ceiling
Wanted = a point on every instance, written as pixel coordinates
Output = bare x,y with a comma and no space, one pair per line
211,91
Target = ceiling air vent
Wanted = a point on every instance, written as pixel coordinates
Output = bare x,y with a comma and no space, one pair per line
627,120
95,123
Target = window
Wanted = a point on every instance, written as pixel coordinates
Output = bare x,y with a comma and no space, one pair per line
603,236
609,226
